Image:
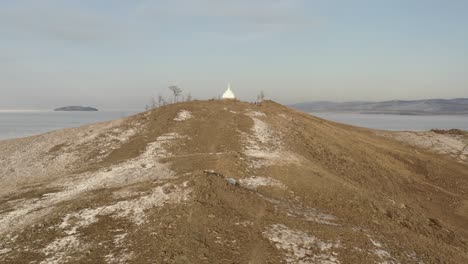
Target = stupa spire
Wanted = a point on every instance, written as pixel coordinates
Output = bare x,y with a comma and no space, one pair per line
228,94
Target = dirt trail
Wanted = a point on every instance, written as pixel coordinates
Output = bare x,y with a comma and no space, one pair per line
232,182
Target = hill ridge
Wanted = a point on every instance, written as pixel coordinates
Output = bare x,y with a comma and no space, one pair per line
229,181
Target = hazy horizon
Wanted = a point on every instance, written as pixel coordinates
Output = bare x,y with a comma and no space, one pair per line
146,104
117,54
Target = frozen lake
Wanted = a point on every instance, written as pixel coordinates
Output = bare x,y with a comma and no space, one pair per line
15,124
398,122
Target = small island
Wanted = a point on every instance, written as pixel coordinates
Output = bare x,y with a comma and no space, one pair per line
76,108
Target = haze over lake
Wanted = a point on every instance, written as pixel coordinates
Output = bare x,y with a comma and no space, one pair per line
14,124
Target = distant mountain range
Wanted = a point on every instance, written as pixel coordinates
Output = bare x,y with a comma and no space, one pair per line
457,106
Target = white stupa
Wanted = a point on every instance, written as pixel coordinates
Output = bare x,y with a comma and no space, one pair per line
228,94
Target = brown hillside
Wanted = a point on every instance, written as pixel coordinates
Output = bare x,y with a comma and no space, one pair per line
230,182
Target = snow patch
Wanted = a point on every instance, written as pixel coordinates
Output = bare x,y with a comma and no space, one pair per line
264,146
244,223
118,239
379,250
262,132
42,157
312,215
255,182
299,247
122,257
414,257
133,210
305,213
375,243
256,114
5,250
142,168
58,250
183,115
455,146
284,116
121,254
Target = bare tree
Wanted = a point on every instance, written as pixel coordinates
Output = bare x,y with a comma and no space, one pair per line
153,103
161,100
176,91
188,98
261,96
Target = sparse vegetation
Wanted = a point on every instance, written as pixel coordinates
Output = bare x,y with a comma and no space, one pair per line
176,96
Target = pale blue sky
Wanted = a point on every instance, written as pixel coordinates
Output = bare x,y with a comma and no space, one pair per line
116,54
